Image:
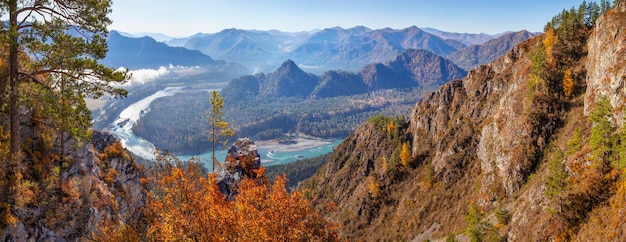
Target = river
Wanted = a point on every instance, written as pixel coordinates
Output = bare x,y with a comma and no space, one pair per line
122,128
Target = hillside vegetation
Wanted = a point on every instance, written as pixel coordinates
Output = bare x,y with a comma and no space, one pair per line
526,148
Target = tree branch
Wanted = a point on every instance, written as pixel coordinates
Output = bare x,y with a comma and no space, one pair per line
34,79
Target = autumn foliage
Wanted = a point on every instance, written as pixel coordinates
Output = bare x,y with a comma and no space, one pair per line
568,83
184,205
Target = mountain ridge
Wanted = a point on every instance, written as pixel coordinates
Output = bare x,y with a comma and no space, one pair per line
465,38
412,68
499,154
474,55
326,49
145,52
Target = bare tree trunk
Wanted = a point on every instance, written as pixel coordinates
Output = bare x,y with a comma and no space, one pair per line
13,81
213,145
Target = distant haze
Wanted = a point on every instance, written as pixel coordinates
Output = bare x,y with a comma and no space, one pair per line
186,17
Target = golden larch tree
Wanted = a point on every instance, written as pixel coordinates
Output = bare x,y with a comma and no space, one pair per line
405,154
568,83
549,40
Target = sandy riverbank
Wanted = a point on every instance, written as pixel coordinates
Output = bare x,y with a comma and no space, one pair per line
302,142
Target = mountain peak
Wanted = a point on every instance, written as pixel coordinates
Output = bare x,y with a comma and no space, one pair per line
289,80
413,28
289,67
290,64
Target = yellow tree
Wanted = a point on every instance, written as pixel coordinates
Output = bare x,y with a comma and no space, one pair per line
390,127
374,187
568,83
549,40
405,154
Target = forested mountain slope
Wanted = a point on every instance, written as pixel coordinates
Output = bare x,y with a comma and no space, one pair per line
411,69
507,153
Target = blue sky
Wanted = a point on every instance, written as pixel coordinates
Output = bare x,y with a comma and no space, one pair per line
180,18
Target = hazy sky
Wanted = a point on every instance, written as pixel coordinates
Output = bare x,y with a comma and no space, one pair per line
180,18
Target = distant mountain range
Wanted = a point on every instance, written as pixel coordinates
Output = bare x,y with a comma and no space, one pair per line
472,56
156,36
465,38
145,52
255,49
315,51
412,68
332,48
349,49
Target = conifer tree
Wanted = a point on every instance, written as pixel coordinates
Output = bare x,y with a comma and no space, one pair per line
574,144
555,182
63,40
218,128
602,141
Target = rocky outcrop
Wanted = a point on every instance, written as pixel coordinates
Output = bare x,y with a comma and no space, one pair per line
471,131
482,115
98,186
242,160
606,63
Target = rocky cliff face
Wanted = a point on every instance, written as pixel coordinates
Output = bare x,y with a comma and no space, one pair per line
458,133
97,187
480,116
607,62
480,152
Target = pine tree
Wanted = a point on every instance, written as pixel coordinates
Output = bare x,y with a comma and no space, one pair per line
574,145
63,40
218,127
555,182
539,74
602,141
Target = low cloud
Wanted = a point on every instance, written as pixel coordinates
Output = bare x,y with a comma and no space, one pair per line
143,76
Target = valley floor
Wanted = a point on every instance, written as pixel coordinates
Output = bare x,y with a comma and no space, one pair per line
300,143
